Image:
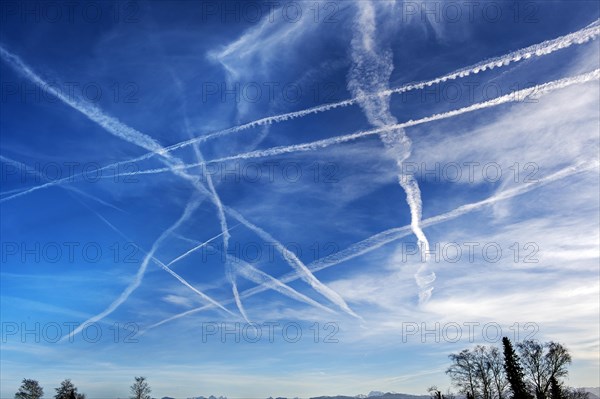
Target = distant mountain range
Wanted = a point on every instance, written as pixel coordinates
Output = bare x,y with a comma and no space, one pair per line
594,394
593,391
377,395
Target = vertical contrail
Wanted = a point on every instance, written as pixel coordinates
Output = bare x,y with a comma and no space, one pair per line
370,74
230,273
216,200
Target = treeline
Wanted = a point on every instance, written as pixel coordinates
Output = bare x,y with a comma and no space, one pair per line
31,389
533,371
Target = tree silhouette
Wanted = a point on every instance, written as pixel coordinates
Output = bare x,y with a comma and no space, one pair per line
478,372
67,391
575,393
462,372
30,389
483,371
140,389
555,391
496,361
542,362
514,372
435,393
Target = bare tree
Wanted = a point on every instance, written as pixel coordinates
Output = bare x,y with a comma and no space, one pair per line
435,393
140,389
462,372
496,361
541,363
557,359
575,393
483,371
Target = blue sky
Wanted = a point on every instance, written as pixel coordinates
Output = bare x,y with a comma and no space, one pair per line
117,81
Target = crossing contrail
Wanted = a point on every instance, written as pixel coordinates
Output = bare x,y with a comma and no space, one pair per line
136,282
197,247
176,166
132,135
516,96
581,36
69,188
590,32
216,200
370,73
303,272
269,282
385,237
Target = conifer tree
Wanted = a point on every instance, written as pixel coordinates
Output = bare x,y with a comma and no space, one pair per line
514,371
30,389
555,391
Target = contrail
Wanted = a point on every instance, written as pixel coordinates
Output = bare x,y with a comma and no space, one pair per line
269,282
247,270
17,190
288,256
516,96
70,188
380,239
370,73
197,247
216,200
111,124
231,272
184,282
581,36
303,272
133,285
236,296
174,164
